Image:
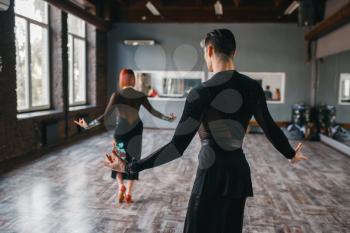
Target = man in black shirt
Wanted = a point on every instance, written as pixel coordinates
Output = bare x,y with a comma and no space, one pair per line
268,93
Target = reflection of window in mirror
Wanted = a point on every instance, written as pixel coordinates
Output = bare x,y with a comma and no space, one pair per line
168,84
142,82
179,87
173,87
344,89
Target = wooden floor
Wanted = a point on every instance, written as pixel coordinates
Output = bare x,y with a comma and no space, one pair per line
70,191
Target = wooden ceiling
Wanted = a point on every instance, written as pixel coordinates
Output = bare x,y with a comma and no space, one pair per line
101,13
201,11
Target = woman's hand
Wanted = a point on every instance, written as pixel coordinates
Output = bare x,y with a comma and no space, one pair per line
82,123
117,165
298,155
172,117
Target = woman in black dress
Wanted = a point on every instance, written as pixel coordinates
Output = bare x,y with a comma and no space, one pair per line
129,127
220,110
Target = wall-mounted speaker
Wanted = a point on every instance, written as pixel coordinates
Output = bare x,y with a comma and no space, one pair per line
310,12
4,5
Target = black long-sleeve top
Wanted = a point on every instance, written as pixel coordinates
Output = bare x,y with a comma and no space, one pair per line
128,101
219,110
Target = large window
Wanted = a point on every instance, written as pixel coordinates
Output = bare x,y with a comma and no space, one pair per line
32,58
77,61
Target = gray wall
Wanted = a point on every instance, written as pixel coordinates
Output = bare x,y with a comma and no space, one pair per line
328,83
260,48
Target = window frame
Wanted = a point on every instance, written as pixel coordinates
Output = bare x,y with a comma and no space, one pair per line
28,22
343,76
70,67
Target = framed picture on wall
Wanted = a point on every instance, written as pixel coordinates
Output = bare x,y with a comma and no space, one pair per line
273,84
344,89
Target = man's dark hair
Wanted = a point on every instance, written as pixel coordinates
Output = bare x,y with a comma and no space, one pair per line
223,41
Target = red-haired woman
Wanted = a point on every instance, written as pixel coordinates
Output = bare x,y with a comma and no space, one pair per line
128,132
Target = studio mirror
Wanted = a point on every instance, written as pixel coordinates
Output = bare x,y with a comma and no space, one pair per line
333,98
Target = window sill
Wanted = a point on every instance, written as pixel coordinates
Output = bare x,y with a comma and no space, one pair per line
81,107
28,115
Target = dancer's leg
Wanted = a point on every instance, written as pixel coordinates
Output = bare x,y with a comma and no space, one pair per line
120,179
236,213
121,187
214,214
129,186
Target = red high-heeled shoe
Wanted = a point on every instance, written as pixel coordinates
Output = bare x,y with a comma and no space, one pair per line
128,198
121,194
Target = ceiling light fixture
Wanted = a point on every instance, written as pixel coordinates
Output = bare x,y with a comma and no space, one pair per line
218,8
292,7
152,8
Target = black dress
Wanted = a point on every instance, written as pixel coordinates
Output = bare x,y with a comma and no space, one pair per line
129,127
220,110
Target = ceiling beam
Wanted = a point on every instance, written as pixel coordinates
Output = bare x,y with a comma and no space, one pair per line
199,2
237,2
107,9
79,12
279,2
205,14
123,2
142,4
330,24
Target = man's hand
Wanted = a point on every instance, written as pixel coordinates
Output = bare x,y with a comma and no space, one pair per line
298,155
117,165
82,123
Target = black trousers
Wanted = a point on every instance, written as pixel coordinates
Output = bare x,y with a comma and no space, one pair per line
214,215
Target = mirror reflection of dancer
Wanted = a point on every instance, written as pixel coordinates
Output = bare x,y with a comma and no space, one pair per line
277,95
220,110
152,92
128,132
268,93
